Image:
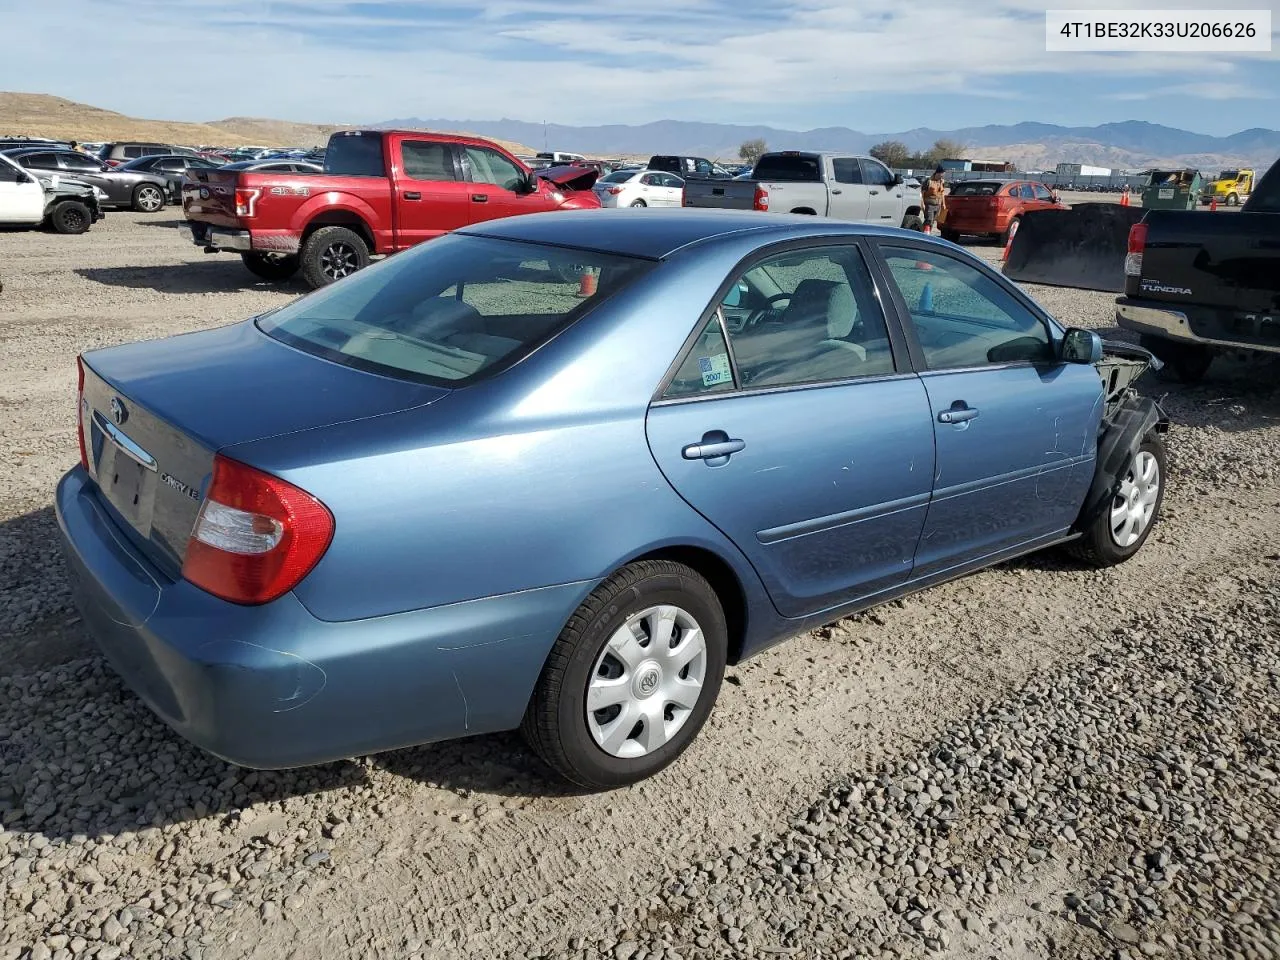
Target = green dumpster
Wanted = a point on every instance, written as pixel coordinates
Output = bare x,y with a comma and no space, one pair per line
1172,190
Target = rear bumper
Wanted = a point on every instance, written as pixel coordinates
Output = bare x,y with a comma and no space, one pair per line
273,686
1159,321
219,239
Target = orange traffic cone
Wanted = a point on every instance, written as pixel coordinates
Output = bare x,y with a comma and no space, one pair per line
1213,204
1009,243
587,283
1124,199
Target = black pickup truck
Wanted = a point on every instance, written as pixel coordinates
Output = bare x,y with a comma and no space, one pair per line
1198,284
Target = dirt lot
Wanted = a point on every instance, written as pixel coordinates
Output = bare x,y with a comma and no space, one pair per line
1040,760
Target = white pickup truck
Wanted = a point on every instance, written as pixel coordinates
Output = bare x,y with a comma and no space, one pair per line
30,200
861,189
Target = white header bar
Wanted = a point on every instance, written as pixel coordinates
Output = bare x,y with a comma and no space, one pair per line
1158,31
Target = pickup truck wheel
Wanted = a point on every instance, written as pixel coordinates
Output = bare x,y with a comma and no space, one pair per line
632,677
1124,524
1183,362
951,236
70,216
275,267
332,253
1232,199
912,222
148,198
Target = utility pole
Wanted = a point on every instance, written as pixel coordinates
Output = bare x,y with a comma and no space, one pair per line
544,136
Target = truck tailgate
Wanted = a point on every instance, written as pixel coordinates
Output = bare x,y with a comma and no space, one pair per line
1216,260
720,194
209,196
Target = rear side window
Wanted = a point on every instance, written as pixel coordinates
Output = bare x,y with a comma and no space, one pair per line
427,160
451,311
132,152
355,156
795,168
1027,192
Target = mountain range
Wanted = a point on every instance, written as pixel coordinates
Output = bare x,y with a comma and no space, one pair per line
1031,145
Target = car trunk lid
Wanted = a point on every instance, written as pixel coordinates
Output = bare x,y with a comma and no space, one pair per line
154,414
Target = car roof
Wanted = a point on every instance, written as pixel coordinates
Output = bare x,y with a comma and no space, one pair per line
657,233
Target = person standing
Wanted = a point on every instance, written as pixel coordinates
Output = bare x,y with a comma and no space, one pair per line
934,195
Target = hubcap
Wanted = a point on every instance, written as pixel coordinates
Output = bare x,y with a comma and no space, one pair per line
337,261
646,682
1135,503
150,199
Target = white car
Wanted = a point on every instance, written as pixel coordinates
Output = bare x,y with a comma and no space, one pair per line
22,198
639,188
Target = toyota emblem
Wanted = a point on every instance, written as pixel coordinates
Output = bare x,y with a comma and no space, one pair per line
118,413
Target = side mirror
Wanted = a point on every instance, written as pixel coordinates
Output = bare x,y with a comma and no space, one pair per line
530,183
897,180
1081,346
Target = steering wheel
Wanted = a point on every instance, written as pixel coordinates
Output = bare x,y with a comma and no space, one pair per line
779,296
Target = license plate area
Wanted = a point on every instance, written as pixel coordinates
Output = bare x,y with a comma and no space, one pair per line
126,476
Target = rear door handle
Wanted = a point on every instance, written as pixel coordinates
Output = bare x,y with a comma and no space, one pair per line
412,195
712,449
480,197
834,192
874,192
957,414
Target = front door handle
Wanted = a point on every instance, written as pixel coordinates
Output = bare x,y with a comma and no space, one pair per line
834,192
480,197
959,413
716,445
412,195
874,192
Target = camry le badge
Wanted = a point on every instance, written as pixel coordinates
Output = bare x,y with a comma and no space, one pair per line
118,413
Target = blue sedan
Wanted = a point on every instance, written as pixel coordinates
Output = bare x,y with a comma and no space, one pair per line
456,494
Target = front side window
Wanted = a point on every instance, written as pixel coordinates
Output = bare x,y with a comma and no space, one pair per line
1043,193
76,161
875,173
961,316
846,170
489,166
450,311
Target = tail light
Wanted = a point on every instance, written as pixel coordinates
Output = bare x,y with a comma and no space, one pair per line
761,199
615,190
246,200
256,536
84,454
1137,244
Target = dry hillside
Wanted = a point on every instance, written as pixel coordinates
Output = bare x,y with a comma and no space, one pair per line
41,115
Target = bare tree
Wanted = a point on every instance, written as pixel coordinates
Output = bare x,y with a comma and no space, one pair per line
751,150
945,149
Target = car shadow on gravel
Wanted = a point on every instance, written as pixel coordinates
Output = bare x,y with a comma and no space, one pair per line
153,222
218,275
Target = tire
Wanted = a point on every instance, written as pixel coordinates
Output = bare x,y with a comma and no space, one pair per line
274,267
1101,545
952,236
606,748
913,221
70,216
1183,362
332,253
1004,237
1232,199
639,203
148,198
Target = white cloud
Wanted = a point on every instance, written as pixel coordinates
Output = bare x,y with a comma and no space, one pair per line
569,60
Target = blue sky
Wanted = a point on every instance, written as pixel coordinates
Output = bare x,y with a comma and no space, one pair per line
874,66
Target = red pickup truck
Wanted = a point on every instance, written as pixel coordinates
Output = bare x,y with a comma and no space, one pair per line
381,191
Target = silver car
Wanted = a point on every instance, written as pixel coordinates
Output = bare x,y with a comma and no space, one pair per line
143,191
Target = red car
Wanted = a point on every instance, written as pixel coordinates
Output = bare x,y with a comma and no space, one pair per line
992,207
381,191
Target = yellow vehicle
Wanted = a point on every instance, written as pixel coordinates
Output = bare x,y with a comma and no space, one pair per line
1230,187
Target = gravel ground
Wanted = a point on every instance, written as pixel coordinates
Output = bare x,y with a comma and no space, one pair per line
1039,760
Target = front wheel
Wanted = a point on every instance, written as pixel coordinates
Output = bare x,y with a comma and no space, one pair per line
1124,524
148,198
631,679
913,221
951,236
1232,199
332,253
70,216
275,267
639,203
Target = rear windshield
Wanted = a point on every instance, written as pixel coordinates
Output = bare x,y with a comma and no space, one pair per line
452,311
618,176
975,188
787,167
355,155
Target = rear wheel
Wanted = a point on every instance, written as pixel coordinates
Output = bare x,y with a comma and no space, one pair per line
275,267
632,678
70,216
951,235
332,253
913,221
1125,523
639,203
1183,362
148,198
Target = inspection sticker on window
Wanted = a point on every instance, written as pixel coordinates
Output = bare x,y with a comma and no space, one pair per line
715,369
